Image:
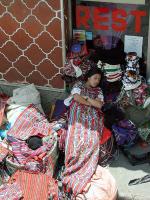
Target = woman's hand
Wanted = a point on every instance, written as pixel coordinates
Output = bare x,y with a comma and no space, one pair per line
97,103
82,99
85,97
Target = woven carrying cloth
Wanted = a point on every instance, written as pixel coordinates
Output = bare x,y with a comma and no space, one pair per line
30,122
36,186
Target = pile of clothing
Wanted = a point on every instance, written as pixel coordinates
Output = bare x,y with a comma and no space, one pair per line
123,130
28,148
111,81
130,93
131,78
111,72
134,98
134,104
109,56
77,63
25,185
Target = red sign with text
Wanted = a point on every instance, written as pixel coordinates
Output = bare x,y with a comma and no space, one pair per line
98,18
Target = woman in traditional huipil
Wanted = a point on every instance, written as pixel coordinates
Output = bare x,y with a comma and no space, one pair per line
84,132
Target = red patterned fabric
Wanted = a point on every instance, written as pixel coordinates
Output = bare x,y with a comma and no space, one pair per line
23,154
140,94
10,192
105,136
62,137
82,142
36,186
68,68
30,122
83,63
42,159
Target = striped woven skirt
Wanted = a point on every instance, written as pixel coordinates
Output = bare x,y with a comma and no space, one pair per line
81,147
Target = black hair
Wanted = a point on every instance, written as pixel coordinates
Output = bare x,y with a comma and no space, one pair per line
34,142
93,71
